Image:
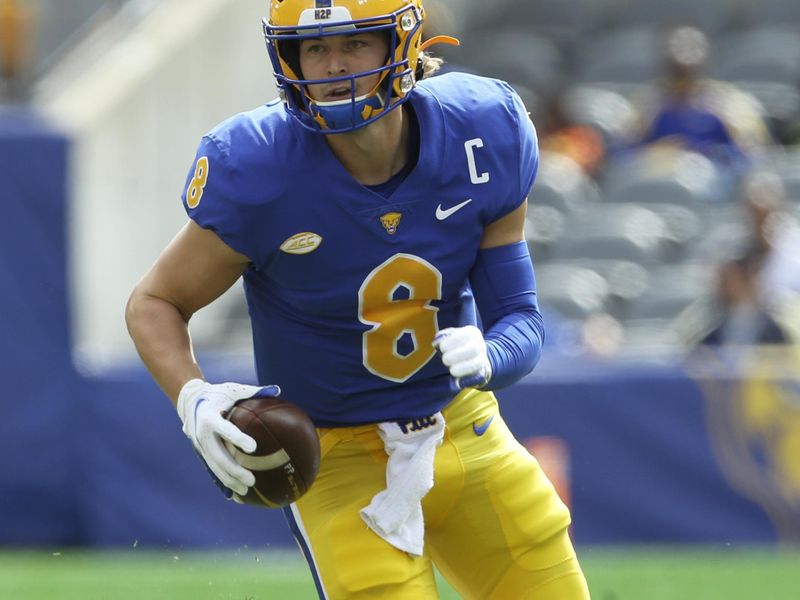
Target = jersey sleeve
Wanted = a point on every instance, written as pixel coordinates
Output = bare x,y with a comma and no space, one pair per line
210,199
528,147
515,134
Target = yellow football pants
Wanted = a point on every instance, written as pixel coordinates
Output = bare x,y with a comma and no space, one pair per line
494,525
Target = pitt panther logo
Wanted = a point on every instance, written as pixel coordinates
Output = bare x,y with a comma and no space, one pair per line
417,424
302,243
754,426
390,221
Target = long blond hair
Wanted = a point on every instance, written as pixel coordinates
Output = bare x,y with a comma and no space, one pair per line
430,64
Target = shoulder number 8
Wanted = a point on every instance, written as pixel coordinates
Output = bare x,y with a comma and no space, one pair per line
195,190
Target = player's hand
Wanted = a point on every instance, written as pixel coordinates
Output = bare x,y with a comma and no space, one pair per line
201,406
464,353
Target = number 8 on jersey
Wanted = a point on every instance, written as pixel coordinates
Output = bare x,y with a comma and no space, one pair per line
393,318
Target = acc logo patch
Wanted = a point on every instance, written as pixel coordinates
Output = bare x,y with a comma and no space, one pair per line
302,243
390,221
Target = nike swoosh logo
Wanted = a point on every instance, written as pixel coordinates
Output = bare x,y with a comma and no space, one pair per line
442,213
481,429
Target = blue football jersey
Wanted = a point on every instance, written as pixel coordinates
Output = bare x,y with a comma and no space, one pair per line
347,288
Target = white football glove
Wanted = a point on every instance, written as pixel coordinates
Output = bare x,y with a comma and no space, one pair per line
200,407
464,353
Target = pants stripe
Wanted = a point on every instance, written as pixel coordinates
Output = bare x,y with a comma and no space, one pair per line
292,516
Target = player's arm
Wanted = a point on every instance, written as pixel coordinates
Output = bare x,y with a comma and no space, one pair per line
193,270
509,229
504,287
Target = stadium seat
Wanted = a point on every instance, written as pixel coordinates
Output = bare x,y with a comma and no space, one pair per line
606,245
770,54
692,276
784,162
666,304
709,15
563,21
544,227
791,179
562,184
621,59
648,338
684,227
604,109
771,12
626,281
673,177
672,289
724,234
575,292
520,56
614,231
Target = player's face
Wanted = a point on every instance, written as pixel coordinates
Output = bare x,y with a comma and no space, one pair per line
339,55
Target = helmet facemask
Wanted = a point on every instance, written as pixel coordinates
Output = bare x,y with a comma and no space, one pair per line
396,77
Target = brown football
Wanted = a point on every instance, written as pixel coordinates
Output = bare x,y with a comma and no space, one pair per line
286,460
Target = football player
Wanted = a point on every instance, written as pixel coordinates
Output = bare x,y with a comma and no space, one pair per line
376,215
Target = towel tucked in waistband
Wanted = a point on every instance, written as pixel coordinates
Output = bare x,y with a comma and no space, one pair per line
395,513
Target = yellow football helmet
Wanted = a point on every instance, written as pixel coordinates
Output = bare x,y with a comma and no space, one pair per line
291,21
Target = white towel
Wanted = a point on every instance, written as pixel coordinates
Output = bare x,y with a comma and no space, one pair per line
395,514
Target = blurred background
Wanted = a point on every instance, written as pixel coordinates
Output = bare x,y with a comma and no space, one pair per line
662,226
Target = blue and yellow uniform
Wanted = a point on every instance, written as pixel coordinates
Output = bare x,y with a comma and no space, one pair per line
347,280
346,290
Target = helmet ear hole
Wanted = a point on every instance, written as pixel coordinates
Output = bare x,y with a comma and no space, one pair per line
419,71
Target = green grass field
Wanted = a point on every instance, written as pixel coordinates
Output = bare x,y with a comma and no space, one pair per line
613,574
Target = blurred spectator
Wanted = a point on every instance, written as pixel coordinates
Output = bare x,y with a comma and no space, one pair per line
774,237
742,318
774,245
757,299
16,49
582,143
692,112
